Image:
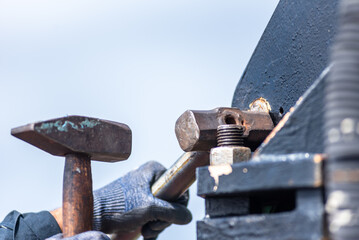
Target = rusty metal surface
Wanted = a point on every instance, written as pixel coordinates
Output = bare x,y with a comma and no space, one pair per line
180,176
196,130
102,140
230,135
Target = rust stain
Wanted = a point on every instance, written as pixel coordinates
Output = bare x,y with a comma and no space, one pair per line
346,176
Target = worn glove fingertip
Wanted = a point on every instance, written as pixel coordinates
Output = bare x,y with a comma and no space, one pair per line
182,215
151,170
148,233
171,212
158,225
183,199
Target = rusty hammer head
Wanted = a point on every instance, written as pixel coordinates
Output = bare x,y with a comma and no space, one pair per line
102,140
197,130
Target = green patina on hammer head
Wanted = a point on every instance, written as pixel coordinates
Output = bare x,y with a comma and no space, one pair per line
102,140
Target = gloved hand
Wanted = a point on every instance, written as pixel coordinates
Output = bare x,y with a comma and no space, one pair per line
127,204
90,235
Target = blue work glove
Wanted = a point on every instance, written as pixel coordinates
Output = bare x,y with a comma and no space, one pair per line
90,235
128,204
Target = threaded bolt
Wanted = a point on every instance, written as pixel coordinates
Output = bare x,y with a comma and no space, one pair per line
230,135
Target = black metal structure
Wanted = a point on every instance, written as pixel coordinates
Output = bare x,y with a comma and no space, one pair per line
291,54
279,193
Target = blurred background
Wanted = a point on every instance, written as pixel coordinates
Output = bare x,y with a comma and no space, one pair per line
142,63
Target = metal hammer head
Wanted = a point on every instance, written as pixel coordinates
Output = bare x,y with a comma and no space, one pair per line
197,130
102,140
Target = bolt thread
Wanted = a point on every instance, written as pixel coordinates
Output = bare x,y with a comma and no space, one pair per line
230,135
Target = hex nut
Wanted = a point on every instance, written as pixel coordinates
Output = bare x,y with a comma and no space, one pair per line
229,155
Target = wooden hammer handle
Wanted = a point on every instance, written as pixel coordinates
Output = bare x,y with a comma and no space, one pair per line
77,195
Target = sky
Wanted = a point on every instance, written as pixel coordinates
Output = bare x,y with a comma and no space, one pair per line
142,63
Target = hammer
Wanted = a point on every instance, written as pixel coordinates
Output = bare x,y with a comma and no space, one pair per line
196,132
80,139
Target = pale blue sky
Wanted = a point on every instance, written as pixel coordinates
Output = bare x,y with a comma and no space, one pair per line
139,62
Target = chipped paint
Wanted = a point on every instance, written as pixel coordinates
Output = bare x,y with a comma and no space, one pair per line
283,157
253,219
292,110
333,135
347,126
299,101
260,105
278,127
171,173
342,218
335,200
217,171
318,158
318,175
275,130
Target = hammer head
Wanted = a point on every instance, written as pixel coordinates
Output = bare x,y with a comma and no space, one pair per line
197,130
102,140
